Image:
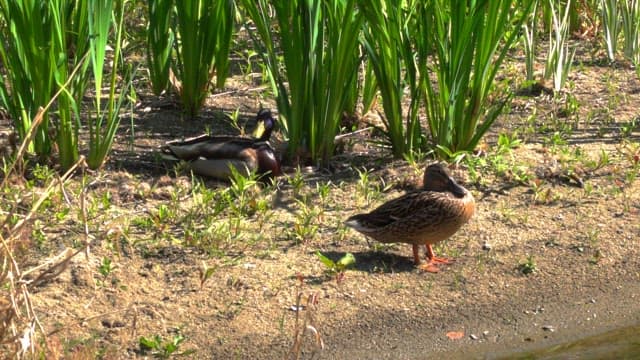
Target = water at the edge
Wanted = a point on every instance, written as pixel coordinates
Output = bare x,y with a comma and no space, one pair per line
623,343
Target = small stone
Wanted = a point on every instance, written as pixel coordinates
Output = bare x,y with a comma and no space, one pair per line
548,328
473,337
486,246
593,301
485,333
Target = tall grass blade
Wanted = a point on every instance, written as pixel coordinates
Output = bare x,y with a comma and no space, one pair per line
30,57
611,26
103,126
160,38
389,49
560,56
204,30
471,41
630,14
41,42
313,73
530,38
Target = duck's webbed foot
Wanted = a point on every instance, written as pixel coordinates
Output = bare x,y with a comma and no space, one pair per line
429,267
432,260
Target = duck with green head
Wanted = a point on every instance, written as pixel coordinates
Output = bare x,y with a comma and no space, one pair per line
213,156
424,217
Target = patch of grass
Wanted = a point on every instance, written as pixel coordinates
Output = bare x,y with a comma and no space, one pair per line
508,142
305,226
367,190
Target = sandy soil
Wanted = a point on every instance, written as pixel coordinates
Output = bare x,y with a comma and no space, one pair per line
579,236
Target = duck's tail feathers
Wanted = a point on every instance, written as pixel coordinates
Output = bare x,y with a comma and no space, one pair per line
355,224
168,156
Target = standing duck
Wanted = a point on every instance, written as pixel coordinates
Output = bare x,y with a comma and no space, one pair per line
424,217
213,156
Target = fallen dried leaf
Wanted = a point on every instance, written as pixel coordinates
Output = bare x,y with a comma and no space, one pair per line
455,335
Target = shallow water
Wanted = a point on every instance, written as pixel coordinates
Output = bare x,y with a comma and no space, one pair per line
623,343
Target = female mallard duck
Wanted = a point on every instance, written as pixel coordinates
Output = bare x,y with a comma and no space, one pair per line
214,155
424,217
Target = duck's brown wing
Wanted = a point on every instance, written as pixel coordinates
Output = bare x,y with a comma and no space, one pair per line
208,147
415,206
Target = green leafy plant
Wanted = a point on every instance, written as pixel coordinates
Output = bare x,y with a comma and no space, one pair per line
106,267
240,191
205,273
163,349
103,127
297,182
369,88
44,41
508,142
305,226
341,265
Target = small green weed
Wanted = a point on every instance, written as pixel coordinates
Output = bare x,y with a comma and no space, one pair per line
205,273
305,227
106,267
508,142
341,265
297,182
528,266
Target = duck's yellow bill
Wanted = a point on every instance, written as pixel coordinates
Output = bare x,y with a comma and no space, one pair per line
259,130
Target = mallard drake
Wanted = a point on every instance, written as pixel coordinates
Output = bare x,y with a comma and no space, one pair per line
213,156
423,217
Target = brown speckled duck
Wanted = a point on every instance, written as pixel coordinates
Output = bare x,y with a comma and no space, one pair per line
212,156
423,217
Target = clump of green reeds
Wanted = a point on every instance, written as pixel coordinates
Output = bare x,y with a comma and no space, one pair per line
47,48
193,38
397,54
314,70
470,41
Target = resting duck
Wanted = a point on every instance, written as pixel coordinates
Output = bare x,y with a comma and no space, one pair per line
212,156
424,217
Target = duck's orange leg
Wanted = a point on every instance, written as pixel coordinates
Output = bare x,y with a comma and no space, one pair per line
434,259
430,265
